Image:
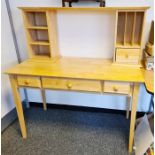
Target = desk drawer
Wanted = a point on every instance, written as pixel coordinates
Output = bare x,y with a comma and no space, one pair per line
129,56
116,87
71,84
29,81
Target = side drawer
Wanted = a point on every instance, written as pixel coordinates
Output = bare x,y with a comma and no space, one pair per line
29,81
129,56
72,84
116,87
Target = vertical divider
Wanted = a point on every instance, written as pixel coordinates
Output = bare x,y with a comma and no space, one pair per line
116,24
52,32
125,27
133,30
25,19
142,33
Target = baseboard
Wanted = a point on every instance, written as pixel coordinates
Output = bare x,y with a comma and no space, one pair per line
9,118
83,108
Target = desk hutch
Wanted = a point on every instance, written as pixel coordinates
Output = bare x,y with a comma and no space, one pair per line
47,69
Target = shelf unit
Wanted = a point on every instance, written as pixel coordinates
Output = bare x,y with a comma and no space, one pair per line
129,28
38,27
129,34
41,32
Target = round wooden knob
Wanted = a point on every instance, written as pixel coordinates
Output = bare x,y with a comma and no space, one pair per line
115,88
69,85
126,56
26,83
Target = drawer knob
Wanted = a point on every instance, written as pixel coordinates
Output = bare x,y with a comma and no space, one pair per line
115,89
26,82
69,85
126,56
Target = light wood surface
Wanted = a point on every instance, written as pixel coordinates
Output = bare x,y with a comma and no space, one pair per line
133,115
52,32
127,56
18,104
149,81
72,84
116,87
47,69
29,81
82,68
82,8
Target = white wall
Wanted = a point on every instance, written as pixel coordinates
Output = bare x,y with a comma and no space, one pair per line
92,22
9,58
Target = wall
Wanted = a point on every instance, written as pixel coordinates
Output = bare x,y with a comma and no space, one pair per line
66,39
9,58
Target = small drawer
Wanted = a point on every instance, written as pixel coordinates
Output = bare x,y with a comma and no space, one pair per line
129,56
116,87
71,84
29,81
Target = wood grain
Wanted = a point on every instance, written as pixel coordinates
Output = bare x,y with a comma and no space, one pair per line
116,87
133,115
128,56
82,68
29,81
72,84
18,104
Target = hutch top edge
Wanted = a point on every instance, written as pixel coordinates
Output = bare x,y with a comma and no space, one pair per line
84,8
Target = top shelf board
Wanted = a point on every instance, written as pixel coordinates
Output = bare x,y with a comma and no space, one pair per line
83,8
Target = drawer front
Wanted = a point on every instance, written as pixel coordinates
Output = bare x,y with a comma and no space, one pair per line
29,81
71,84
129,56
116,87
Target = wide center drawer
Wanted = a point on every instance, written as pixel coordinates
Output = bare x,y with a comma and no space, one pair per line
29,81
116,87
71,84
130,56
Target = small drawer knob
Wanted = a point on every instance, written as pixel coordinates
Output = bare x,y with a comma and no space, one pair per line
69,85
115,88
26,82
126,56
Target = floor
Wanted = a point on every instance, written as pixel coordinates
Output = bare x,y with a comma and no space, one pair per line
66,132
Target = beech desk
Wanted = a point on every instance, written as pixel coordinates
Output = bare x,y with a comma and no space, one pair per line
76,74
46,69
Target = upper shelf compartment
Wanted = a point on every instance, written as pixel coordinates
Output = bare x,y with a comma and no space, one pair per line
129,29
36,19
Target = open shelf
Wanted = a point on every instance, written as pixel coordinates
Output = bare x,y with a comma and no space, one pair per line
120,28
138,27
40,50
36,18
37,27
39,43
129,28
38,35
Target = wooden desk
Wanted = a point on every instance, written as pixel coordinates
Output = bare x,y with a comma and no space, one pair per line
149,81
47,70
76,74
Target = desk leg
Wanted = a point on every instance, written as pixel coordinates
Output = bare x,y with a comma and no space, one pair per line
128,99
133,115
18,105
44,99
26,98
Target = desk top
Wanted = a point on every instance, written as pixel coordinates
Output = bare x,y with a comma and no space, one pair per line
82,68
149,81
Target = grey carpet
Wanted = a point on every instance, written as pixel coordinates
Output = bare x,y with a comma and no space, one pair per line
65,132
